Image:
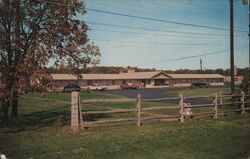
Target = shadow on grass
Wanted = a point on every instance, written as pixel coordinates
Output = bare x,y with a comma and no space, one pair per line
95,117
49,117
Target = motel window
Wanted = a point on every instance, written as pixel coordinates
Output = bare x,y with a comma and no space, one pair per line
123,81
148,81
89,82
113,82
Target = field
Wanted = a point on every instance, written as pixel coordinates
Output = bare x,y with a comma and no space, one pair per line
35,135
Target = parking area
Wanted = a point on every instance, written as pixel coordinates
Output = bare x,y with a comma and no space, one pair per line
147,93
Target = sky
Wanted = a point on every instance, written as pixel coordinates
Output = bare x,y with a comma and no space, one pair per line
166,31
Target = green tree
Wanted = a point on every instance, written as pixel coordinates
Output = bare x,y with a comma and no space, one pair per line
34,33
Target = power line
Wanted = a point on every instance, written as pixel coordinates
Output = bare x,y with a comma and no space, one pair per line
161,20
160,43
187,57
132,16
151,29
164,35
145,18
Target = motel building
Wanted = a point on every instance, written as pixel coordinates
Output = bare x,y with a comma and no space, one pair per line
144,79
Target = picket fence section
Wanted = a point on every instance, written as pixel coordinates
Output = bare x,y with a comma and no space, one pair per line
77,114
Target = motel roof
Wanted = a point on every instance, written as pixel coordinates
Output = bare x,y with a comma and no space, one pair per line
134,75
195,76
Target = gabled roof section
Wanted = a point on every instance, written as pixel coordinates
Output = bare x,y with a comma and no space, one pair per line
161,75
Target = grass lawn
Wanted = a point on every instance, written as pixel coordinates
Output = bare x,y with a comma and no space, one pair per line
225,137
43,111
197,91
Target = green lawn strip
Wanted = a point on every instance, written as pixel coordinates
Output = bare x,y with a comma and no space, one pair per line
37,110
67,96
197,91
223,138
44,111
130,105
33,102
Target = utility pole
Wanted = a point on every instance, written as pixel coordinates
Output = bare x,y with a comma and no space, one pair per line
247,2
232,43
201,64
249,45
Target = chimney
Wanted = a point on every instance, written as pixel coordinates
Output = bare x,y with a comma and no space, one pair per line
131,70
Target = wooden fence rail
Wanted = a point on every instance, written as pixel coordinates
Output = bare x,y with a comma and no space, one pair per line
183,108
109,111
89,101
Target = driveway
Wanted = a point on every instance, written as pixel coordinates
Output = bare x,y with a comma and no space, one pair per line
153,93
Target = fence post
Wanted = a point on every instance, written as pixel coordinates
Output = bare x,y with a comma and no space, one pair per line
221,99
138,106
242,100
81,123
215,108
181,111
74,111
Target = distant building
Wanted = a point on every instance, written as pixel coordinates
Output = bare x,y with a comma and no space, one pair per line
145,79
237,79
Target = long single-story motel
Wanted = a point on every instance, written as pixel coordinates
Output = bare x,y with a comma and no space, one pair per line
146,79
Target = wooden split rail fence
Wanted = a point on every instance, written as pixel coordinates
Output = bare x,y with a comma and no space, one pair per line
77,114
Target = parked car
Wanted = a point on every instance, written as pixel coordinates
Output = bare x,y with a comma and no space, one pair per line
97,87
71,87
129,86
200,84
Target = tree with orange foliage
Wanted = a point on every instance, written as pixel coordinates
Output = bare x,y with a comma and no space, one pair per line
34,33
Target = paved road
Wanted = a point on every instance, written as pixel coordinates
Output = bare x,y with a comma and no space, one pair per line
153,93
148,93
